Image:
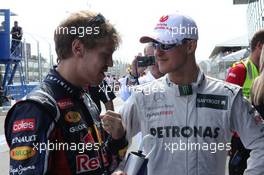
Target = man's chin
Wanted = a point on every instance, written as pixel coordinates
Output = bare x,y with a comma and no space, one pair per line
163,71
98,80
101,77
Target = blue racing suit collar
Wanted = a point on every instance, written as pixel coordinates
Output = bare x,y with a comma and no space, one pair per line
56,79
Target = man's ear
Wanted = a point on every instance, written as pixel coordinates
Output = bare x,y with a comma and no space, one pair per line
259,45
191,46
78,48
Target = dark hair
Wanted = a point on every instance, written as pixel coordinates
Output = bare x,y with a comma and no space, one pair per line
258,37
95,30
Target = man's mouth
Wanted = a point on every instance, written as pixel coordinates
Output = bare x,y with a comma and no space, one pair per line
161,60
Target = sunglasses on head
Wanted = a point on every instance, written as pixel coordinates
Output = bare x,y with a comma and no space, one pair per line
98,19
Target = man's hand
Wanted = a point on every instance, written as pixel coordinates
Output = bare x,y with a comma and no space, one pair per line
119,173
112,123
135,70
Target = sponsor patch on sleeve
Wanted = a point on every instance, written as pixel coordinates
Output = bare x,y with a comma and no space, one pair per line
24,139
20,169
22,153
24,125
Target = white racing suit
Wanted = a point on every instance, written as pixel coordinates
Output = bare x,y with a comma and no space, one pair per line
192,125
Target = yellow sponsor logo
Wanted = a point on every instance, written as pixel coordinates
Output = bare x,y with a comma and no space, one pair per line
73,117
22,153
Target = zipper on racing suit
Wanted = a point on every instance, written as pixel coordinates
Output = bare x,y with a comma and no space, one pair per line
92,108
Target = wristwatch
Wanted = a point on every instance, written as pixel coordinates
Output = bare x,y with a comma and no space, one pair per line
131,80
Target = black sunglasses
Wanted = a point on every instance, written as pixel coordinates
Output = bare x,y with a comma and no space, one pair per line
164,47
98,19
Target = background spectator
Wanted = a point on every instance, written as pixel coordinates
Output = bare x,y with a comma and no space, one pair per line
17,34
243,74
257,90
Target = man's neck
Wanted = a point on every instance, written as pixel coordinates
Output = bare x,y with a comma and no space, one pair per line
156,75
66,70
184,77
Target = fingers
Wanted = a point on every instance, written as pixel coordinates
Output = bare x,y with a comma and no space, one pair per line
108,123
111,117
113,114
134,66
119,173
107,128
112,124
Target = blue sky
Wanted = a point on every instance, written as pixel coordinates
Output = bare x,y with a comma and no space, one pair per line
217,20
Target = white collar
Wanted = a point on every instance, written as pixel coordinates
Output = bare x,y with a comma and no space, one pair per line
183,90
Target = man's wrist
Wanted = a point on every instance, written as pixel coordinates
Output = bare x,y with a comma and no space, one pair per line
121,142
